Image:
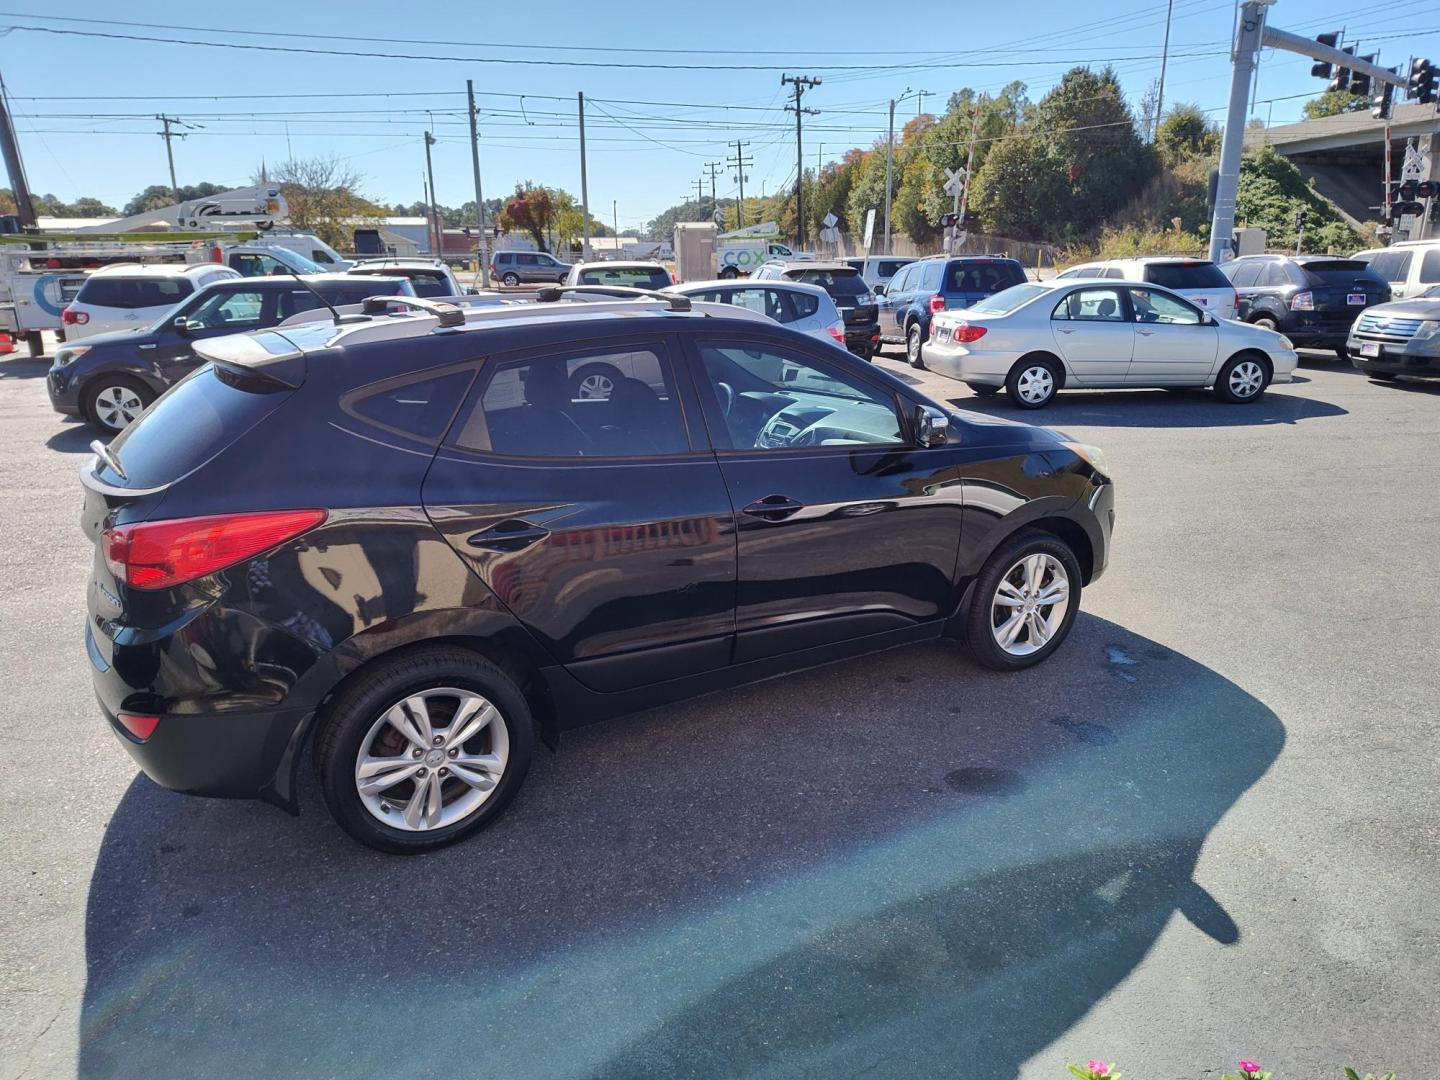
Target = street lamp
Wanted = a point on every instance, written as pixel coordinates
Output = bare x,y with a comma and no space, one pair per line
890,160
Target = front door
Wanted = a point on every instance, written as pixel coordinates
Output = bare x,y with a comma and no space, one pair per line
602,523
213,313
846,528
1173,344
1094,334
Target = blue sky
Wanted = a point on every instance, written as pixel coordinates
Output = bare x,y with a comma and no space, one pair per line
85,105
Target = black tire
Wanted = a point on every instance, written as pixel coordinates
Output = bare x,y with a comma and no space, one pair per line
588,381
1382,376
1229,392
100,414
979,620
1023,374
1343,353
1265,322
982,390
510,278
914,339
348,719
729,273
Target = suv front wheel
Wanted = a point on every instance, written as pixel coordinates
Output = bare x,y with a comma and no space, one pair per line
424,750
1024,603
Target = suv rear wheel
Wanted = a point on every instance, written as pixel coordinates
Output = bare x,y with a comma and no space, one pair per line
510,278
114,402
914,338
423,750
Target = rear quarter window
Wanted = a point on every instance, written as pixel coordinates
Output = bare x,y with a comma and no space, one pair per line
419,407
131,293
1196,275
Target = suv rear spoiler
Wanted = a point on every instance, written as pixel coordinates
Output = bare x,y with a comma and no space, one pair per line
267,356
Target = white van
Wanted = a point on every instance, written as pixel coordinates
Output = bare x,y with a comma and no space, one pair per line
312,247
1197,280
879,269
1411,266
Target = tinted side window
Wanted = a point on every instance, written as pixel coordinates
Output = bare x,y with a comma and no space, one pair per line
1392,265
131,293
1275,276
1194,275
930,277
422,408
527,260
1430,266
802,304
614,403
1242,274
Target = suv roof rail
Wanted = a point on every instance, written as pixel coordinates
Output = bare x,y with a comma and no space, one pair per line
446,314
677,301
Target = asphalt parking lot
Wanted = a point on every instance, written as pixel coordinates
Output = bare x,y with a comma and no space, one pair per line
1206,830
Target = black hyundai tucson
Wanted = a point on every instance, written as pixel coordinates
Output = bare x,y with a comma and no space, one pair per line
398,544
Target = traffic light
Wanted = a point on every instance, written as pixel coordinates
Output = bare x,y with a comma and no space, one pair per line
949,221
1360,80
1382,102
1427,189
1321,68
1421,86
1408,190
1401,209
1301,216
1341,80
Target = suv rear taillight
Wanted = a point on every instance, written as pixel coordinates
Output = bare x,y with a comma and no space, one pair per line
71,317
1302,301
937,303
965,333
159,554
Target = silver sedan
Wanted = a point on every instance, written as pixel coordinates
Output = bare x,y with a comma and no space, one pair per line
1036,339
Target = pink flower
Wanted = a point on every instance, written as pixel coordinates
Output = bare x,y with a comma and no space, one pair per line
1249,1067
1099,1068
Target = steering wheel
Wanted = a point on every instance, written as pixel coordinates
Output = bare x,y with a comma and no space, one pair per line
727,398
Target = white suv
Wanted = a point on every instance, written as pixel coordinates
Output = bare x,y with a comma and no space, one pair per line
129,296
1197,280
1411,266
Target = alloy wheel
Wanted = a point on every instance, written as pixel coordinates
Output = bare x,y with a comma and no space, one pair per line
596,387
117,407
1246,379
1036,384
1029,604
432,759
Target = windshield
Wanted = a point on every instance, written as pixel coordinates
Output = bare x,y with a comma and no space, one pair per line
840,284
631,277
296,261
1007,300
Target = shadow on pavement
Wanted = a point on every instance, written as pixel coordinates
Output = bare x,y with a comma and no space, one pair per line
18,367
1153,408
892,867
74,438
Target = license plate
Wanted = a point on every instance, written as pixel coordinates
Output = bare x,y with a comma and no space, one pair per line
1370,348
1357,298
942,333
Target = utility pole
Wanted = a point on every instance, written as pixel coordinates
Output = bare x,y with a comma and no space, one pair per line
438,229
1164,55
24,206
890,160
740,163
584,184
713,167
801,84
700,193
167,135
615,220
480,244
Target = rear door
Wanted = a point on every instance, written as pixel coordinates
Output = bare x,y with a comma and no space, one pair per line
891,305
1094,333
845,527
603,524
1173,344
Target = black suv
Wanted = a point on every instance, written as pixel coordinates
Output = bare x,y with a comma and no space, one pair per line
852,296
402,546
110,378
1311,299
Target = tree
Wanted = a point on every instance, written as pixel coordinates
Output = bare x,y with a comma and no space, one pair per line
324,199
1022,190
530,210
1272,189
1186,133
158,196
1333,103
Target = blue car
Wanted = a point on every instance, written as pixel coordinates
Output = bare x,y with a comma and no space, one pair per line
922,288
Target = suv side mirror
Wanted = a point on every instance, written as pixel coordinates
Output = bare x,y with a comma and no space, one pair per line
932,427
879,290
181,324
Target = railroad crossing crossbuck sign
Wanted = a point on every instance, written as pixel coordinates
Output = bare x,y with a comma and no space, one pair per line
954,181
829,233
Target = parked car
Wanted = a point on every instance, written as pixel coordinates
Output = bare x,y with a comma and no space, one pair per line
1400,338
879,269
806,308
1311,299
924,287
409,555
127,296
853,298
266,260
1035,340
111,378
1409,267
526,267
1197,280
428,277
628,274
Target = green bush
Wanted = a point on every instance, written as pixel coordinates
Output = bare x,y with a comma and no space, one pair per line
1272,190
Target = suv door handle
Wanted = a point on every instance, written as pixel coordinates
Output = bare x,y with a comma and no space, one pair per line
512,535
773,508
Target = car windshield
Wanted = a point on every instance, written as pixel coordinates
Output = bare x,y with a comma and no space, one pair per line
1007,300
295,261
631,277
841,284
1186,275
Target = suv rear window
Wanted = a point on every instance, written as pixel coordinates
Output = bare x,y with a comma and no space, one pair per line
1336,271
631,277
190,424
136,292
1186,275
986,277
838,283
